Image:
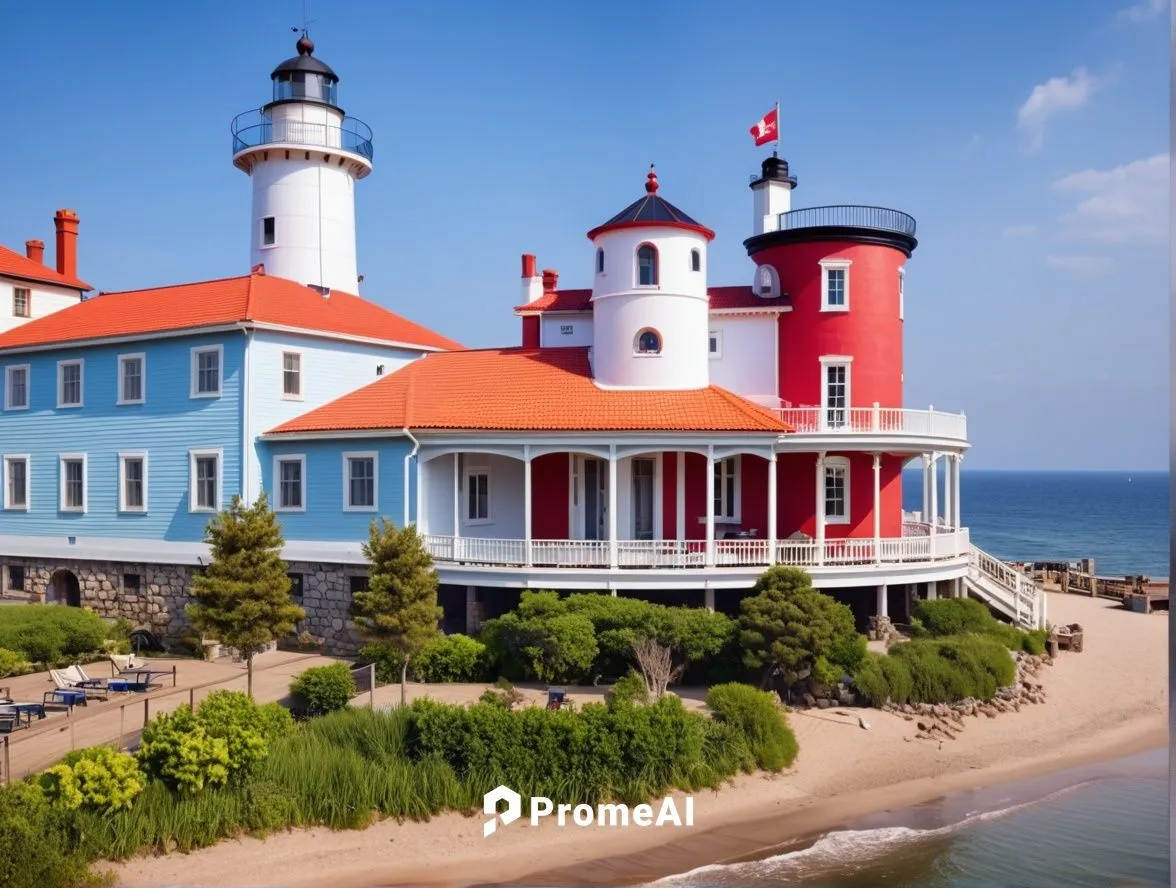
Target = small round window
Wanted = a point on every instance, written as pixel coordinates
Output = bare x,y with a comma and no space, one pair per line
649,342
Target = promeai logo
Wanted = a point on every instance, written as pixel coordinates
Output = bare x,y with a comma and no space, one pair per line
667,813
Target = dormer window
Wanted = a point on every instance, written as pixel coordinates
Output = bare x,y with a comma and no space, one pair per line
695,260
648,342
767,282
646,266
600,261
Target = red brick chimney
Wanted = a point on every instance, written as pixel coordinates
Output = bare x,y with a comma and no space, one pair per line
35,250
66,223
550,280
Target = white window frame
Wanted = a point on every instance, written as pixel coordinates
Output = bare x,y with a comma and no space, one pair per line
199,453
299,458
828,265
374,456
773,282
122,481
469,473
195,353
141,357
28,375
28,296
61,365
827,361
836,463
717,336
27,460
901,296
62,459
736,507
286,395
261,234
637,285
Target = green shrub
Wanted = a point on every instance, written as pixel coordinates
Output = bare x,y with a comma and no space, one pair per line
13,663
937,670
881,678
325,688
1035,641
963,616
628,689
99,778
760,719
245,727
451,658
178,750
37,847
388,661
560,647
50,633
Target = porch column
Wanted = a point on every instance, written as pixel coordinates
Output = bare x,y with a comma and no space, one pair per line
527,500
456,496
772,507
880,608
612,506
680,497
878,508
932,592
710,505
934,497
820,507
957,519
709,599
926,511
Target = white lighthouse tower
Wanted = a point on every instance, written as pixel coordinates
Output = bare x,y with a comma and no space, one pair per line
304,157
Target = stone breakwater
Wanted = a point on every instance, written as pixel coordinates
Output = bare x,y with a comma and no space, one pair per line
943,721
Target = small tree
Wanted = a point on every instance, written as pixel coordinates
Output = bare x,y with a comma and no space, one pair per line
399,607
657,666
787,626
243,597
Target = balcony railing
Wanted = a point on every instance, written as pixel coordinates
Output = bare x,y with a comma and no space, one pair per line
875,420
253,129
917,545
877,218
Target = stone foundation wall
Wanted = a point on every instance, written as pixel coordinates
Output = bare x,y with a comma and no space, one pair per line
326,598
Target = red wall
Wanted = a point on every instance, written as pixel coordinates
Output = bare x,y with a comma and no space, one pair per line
698,488
753,492
669,496
870,331
531,331
549,496
796,500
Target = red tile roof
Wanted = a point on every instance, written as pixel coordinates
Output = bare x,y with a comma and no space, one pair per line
252,298
720,298
519,389
13,264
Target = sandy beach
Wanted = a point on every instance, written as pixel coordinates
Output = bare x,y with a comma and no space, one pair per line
1111,700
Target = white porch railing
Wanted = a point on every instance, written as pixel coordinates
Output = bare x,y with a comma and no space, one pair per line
1006,589
911,548
877,420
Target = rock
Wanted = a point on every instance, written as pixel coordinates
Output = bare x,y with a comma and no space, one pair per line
823,703
809,700
863,724
908,718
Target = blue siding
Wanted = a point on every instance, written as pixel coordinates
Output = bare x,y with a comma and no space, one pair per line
167,426
325,518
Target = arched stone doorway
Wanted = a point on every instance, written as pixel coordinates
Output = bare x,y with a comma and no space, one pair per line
65,589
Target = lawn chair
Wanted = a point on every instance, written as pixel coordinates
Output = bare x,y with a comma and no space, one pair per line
556,697
120,684
71,679
134,672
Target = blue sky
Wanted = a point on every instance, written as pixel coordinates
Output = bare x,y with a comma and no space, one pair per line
1029,140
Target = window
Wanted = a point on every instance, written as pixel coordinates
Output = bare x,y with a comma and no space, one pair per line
715,346
695,260
646,266
599,261
16,387
22,302
267,231
73,482
130,379
16,482
726,484
836,490
291,374
359,482
648,343
132,583
16,578
357,584
835,285
132,482
767,282
206,371
835,391
297,587
204,471
69,383
901,300
477,495
290,481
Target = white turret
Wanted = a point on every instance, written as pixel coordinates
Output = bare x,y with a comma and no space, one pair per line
771,195
650,305
304,157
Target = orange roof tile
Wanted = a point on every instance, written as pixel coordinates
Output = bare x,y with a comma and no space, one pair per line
720,298
252,298
13,264
519,389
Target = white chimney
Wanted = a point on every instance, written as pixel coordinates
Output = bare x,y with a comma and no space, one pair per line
532,282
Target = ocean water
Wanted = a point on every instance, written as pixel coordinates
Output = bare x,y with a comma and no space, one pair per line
1103,827
1120,519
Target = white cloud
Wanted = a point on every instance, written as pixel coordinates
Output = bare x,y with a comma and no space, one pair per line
1143,12
1126,203
1047,99
1020,231
1080,264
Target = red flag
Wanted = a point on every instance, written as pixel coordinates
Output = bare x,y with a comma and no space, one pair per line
768,128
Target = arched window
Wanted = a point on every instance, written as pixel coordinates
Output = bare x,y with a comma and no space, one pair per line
767,282
648,342
599,261
647,266
695,260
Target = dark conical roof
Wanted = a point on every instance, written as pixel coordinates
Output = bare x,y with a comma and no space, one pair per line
305,61
652,211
